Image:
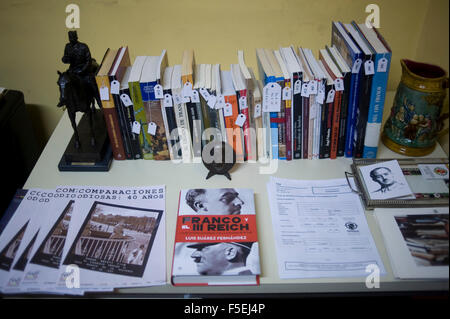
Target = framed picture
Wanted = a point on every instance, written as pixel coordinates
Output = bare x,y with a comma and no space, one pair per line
427,190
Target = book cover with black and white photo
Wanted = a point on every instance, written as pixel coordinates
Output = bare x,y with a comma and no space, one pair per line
216,239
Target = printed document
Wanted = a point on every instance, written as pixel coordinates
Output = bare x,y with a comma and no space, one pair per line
320,230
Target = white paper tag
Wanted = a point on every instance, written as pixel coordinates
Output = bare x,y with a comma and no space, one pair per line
177,100
212,101
272,97
167,101
228,109
356,66
194,97
330,96
185,99
159,92
243,103
382,65
104,93
369,68
136,128
220,101
240,120
115,87
339,84
257,111
204,92
305,89
187,90
126,100
287,93
312,87
152,128
298,87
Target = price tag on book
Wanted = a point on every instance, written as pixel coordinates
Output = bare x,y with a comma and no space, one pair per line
136,128
126,100
159,92
228,109
287,93
152,128
220,101
194,97
339,84
243,102
212,101
312,87
167,101
356,66
240,120
104,93
257,112
115,87
382,65
298,87
330,96
272,97
305,89
369,67
187,90
204,92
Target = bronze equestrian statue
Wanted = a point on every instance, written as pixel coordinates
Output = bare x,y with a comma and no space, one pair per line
77,86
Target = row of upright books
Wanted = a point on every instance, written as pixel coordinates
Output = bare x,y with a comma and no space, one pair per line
300,107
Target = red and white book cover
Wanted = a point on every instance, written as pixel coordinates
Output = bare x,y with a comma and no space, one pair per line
216,240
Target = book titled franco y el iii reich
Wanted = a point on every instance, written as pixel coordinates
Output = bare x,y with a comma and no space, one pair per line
216,240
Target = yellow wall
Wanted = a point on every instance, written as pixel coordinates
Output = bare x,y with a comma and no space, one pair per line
33,34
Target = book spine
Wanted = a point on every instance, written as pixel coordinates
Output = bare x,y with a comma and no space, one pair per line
362,116
122,125
344,115
305,135
234,137
140,118
111,120
246,127
323,128
129,120
297,122
312,114
378,94
288,124
335,124
183,129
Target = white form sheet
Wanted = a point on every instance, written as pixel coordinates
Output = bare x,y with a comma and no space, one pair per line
320,230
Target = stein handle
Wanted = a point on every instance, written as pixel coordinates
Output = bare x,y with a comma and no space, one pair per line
445,83
441,119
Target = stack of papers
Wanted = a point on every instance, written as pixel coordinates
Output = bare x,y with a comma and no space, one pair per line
320,230
416,240
76,239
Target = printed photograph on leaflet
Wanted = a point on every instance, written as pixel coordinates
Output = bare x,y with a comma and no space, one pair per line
115,239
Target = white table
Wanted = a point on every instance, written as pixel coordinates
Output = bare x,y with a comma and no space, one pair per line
181,176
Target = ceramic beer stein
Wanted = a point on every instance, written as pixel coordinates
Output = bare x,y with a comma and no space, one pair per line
415,122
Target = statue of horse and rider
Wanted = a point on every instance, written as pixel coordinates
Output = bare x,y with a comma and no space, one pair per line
77,86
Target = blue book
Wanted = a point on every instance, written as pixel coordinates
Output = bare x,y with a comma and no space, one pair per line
383,56
353,57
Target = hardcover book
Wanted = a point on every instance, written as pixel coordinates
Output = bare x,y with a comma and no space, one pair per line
216,240
116,75
152,75
109,110
365,89
352,55
382,64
